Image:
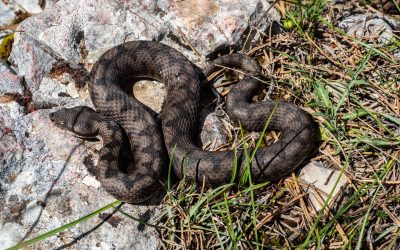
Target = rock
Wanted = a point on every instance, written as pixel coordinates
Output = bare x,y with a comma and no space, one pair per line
10,84
37,168
397,55
79,32
323,180
151,94
213,133
371,27
32,7
7,15
54,51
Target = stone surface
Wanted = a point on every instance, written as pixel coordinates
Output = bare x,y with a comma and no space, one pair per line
41,163
54,52
10,84
7,14
370,27
29,6
213,133
322,181
151,94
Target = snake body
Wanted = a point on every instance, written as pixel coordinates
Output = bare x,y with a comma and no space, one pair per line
118,111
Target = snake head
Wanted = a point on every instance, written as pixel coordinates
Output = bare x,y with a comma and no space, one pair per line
81,120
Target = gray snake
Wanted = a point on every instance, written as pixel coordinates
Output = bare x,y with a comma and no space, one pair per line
118,113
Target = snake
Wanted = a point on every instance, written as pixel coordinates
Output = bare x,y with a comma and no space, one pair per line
155,144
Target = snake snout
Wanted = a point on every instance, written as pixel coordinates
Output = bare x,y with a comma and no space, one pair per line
52,117
56,119
82,121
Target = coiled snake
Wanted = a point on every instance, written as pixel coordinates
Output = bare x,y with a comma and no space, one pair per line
117,110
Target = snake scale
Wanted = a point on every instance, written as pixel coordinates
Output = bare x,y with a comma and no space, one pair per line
118,112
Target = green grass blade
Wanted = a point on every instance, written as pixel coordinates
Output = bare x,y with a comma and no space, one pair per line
65,227
353,81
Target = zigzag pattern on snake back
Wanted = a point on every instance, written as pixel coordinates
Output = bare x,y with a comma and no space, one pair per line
117,110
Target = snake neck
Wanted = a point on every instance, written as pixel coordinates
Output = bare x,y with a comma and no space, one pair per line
111,136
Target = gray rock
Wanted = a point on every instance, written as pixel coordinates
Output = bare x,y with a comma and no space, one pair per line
322,181
6,14
41,163
371,27
79,32
54,51
150,93
29,6
213,133
10,84
396,55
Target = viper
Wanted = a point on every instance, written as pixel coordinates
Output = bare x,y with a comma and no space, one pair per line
118,115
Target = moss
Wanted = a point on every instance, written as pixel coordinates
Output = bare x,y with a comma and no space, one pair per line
6,45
